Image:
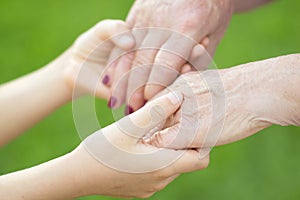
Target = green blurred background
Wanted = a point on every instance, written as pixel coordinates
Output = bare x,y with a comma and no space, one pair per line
264,166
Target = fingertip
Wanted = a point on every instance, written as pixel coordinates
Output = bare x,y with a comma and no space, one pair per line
128,110
106,80
112,102
136,100
205,41
197,51
175,97
186,68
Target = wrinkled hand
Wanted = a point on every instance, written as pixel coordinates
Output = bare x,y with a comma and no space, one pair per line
118,163
89,57
178,26
220,107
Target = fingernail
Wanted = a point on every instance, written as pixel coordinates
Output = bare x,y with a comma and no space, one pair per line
175,97
105,80
112,102
128,110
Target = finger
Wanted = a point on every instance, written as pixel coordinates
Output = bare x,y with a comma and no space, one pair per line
202,62
120,36
120,87
168,62
186,68
120,77
88,80
142,64
110,68
172,138
197,52
205,41
166,137
107,80
151,115
117,31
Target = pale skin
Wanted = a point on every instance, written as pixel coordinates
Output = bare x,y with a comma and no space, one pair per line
247,99
29,99
79,173
56,166
199,19
50,87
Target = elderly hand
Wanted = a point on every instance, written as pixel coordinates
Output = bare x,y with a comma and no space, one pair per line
176,26
223,106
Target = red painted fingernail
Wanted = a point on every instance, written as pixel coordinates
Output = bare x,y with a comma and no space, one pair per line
146,101
128,110
105,80
112,102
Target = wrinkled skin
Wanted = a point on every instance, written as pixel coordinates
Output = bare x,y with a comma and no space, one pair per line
223,106
118,157
195,19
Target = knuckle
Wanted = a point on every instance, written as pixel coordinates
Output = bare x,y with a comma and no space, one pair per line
166,63
157,113
143,57
140,70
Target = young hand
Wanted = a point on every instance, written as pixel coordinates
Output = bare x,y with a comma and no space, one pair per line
90,57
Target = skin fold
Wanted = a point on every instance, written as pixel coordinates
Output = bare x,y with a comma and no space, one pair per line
224,106
79,173
199,19
204,109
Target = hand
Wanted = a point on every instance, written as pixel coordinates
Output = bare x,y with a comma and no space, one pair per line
89,57
223,106
177,25
113,161
117,162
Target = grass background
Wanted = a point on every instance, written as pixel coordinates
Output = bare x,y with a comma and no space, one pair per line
264,166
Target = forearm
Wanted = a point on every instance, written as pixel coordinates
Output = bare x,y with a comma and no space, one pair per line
246,5
268,90
275,83
61,178
29,99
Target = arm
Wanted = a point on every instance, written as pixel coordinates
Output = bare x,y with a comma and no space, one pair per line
231,104
85,172
246,5
180,25
29,99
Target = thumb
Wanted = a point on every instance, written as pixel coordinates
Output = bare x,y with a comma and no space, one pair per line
164,138
151,116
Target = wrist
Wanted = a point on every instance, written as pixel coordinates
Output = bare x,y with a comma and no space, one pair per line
271,89
90,173
56,71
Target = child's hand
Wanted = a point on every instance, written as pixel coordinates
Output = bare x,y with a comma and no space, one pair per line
116,162
91,54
